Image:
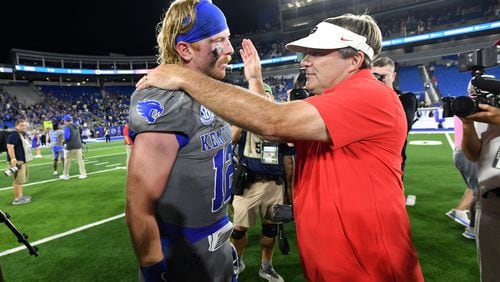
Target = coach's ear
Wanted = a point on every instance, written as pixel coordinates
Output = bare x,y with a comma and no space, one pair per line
184,50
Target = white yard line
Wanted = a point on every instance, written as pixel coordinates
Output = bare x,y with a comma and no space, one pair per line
85,158
450,141
103,163
57,179
110,165
60,235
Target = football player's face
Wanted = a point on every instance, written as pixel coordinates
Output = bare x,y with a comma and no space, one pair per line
212,55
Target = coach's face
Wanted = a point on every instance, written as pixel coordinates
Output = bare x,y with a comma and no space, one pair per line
325,69
211,56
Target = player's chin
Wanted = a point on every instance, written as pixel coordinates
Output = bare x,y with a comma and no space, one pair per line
219,73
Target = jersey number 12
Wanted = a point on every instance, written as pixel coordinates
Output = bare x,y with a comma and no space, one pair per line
223,167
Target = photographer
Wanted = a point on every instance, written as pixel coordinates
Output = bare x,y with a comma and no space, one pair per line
384,70
481,144
264,189
18,156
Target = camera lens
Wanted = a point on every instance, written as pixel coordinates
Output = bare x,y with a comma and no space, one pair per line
10,171
463,106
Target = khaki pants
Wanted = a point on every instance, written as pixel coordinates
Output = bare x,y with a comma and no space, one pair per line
68,156
20,176
258,199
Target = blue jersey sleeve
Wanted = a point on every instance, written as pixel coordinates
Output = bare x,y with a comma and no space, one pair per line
67,133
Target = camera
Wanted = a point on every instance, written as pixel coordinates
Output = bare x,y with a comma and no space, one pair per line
487,88
299,92
282,213
488,92
478,59
12,170
379,77
463,106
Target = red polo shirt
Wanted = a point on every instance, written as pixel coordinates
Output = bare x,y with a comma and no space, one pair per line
349,204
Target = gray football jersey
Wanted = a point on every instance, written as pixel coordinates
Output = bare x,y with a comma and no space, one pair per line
198,189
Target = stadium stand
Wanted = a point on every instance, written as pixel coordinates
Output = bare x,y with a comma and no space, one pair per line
102,99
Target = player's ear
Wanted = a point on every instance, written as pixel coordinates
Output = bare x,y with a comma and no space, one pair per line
184,50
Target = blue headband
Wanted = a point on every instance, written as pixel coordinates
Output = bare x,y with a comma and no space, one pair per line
209,21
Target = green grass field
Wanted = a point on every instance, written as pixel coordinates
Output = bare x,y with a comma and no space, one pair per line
103,252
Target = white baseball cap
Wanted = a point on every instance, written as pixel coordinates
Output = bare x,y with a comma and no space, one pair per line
326,36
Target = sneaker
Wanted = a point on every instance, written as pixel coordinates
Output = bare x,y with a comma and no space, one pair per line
64,177
470,233
270,274
22,201
82,176
55,173
459,217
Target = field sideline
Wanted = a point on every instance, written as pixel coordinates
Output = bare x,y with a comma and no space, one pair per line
81,232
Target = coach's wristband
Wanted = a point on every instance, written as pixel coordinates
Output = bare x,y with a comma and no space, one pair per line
155,272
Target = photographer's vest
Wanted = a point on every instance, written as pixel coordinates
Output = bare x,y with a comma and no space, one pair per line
261,157
75,141
26,147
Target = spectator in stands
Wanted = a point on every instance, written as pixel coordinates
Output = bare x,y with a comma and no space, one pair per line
384,69
18,156
348,138
468,170
73,149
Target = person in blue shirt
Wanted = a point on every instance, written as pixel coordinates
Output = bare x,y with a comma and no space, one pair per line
73,148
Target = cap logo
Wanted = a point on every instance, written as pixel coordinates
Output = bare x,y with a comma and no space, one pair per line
313,30
345,39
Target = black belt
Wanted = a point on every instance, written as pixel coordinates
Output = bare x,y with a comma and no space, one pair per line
495,191
260,177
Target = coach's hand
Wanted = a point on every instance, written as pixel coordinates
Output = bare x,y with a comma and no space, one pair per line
169,77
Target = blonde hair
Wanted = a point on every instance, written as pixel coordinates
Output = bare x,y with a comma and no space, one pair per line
363,25
172,25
